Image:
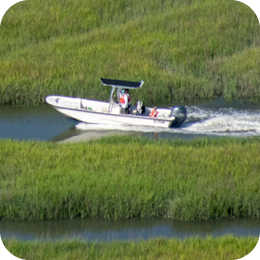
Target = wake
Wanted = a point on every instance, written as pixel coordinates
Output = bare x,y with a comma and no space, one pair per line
201,121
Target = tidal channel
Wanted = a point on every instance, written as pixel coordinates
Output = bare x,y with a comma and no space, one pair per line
135,229
212,118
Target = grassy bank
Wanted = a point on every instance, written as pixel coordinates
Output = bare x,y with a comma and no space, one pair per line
124,177
227,247
181,49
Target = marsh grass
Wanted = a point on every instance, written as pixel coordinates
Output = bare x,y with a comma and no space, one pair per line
181,49
119,178
226,247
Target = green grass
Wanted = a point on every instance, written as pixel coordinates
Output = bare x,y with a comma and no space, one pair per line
227,247
182,49
124,177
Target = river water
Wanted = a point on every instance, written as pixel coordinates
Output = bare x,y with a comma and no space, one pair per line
135,229
204,118
211,118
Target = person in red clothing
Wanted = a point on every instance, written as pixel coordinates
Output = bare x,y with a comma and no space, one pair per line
125,101
154,112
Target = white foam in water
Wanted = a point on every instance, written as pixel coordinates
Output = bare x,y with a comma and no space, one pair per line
201,121
85,126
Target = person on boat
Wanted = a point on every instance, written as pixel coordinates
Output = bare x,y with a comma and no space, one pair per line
129,99
122,101
125,101
154,112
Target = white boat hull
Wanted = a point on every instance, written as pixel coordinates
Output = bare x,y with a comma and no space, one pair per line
97,112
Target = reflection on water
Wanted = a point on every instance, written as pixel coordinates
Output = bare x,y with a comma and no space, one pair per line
73,135
136,229
32,123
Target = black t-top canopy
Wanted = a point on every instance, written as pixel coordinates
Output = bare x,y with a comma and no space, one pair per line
122,83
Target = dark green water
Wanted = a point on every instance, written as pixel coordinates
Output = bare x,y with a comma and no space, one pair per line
32,123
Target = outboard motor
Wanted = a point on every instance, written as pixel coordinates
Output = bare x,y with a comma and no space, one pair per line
180,115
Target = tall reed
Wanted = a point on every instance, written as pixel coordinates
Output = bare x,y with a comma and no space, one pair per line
181,49
113,179
227,247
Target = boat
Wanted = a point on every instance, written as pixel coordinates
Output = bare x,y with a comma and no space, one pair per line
100,112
